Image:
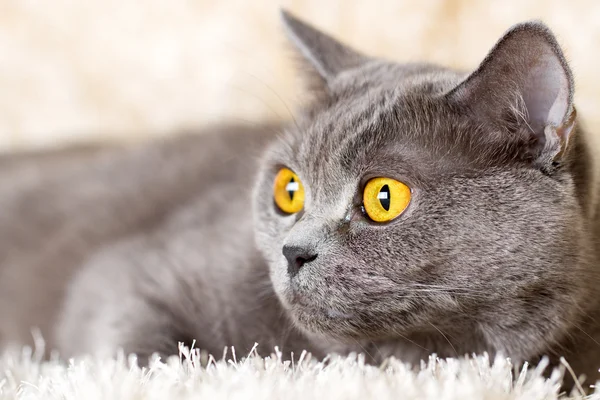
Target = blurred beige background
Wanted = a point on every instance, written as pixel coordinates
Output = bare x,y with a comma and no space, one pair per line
73,70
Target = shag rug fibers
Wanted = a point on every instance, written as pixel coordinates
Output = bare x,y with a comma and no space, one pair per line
196,375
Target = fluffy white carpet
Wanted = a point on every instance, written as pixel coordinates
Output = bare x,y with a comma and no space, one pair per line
24,376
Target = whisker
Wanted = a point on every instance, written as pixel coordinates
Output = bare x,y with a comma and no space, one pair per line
587,334
279,97
411,341
266,104
444,336
382,357
364,350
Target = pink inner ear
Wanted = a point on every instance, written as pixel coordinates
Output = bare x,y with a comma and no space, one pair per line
525,73
546,92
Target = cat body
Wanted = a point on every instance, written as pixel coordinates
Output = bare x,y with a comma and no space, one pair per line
182,239
143,265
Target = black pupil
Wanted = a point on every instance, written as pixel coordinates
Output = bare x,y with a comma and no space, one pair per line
384,197
291,189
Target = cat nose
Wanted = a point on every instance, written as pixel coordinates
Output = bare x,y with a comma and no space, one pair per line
296,257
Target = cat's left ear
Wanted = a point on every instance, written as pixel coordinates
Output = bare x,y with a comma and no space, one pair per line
525,85
325,57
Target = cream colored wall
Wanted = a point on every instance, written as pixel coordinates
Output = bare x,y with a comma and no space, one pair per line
110,69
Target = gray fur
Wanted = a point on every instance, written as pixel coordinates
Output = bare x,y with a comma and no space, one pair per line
180,239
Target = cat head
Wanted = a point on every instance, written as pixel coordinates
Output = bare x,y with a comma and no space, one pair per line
411,199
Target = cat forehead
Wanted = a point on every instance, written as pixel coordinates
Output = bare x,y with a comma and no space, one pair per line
378,99
383,116
391,76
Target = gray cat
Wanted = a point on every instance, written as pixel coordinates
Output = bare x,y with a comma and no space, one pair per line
408,209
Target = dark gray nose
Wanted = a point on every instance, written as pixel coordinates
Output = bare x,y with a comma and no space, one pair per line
297,256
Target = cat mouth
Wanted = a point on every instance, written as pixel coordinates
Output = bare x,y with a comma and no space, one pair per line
307,308
311,309
322,317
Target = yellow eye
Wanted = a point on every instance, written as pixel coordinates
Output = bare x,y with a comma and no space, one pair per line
384,199
288,191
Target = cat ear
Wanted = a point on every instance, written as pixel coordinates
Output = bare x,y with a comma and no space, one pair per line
524,84
326,56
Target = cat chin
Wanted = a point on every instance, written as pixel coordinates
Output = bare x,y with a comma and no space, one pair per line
318,320
325,313
335,326
315,315
301,303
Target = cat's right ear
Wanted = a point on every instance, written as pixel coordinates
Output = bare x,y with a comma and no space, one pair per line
526,86
325,57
